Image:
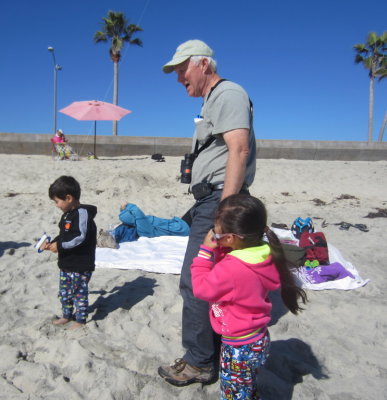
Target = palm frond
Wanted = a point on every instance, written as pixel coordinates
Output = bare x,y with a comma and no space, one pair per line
137,42
372,38
132,28
359,59
100,37
116,44
381,74
359,47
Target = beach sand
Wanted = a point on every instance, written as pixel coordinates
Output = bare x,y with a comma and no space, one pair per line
336,349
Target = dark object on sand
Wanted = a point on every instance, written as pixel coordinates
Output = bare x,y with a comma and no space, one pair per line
319,202
346,197
279,226
382,213
158,157
346,225
294,255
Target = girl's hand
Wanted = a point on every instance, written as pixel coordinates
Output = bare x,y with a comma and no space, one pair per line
209,240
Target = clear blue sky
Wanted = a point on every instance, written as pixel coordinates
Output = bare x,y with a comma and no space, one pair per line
295,59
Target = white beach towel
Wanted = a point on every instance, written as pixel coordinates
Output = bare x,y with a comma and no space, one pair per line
165,255
334,256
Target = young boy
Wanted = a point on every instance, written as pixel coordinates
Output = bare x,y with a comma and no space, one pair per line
75,246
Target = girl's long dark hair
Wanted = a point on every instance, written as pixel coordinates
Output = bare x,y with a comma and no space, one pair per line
246,216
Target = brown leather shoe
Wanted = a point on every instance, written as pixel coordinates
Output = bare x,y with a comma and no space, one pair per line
180,373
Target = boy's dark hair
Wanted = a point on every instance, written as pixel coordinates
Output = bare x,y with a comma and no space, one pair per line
63,186
246,216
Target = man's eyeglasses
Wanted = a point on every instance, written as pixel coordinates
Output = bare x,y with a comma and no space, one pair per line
218,236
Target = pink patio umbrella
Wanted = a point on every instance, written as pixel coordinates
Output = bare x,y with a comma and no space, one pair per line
94,110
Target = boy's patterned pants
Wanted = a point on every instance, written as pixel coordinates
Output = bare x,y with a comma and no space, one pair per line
239,367
74,291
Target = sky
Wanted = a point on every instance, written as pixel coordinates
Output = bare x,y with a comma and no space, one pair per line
294,58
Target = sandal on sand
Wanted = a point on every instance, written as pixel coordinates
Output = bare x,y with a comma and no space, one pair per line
346,225
361,227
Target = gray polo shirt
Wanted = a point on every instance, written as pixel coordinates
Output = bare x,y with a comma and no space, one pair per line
228,108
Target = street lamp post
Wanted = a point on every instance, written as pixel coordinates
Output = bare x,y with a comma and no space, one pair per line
57,68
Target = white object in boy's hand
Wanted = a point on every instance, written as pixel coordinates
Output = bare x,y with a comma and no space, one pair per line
42,242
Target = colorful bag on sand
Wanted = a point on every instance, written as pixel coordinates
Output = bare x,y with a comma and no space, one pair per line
302,225
316,247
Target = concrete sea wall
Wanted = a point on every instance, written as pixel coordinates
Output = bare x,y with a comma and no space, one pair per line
114,146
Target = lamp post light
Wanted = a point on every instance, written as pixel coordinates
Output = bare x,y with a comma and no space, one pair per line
57,68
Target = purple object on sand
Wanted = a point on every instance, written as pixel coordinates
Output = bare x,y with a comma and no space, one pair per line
326,273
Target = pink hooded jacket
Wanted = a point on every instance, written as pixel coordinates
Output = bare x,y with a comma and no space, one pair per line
237,291
58,139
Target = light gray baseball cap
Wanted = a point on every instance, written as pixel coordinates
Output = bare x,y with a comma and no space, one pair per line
185,51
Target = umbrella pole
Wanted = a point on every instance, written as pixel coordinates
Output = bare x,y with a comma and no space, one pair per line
95,139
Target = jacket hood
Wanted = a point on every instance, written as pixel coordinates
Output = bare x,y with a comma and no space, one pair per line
259,260
92,210
269,276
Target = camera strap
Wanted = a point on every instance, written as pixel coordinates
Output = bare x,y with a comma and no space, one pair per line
214,87
197,151
208,142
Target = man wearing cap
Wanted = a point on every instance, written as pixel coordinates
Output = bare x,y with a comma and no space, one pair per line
225,150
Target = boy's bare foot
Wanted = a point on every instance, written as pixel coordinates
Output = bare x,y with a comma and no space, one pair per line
123,206
75,325
60,321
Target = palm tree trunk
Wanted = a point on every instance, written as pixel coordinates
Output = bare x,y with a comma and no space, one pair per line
115,95
371,110
381,133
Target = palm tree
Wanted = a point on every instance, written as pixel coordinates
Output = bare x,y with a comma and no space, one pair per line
117,29
381,132
373,55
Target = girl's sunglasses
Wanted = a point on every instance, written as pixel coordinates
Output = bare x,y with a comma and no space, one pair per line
218,236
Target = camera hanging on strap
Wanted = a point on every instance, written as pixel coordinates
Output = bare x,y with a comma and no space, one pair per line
189,158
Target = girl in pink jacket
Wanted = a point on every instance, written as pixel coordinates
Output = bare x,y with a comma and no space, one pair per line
234,271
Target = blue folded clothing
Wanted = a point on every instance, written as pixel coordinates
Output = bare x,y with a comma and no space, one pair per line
151,226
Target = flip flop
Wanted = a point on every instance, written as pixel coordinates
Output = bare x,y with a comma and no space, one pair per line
344,225
361,227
